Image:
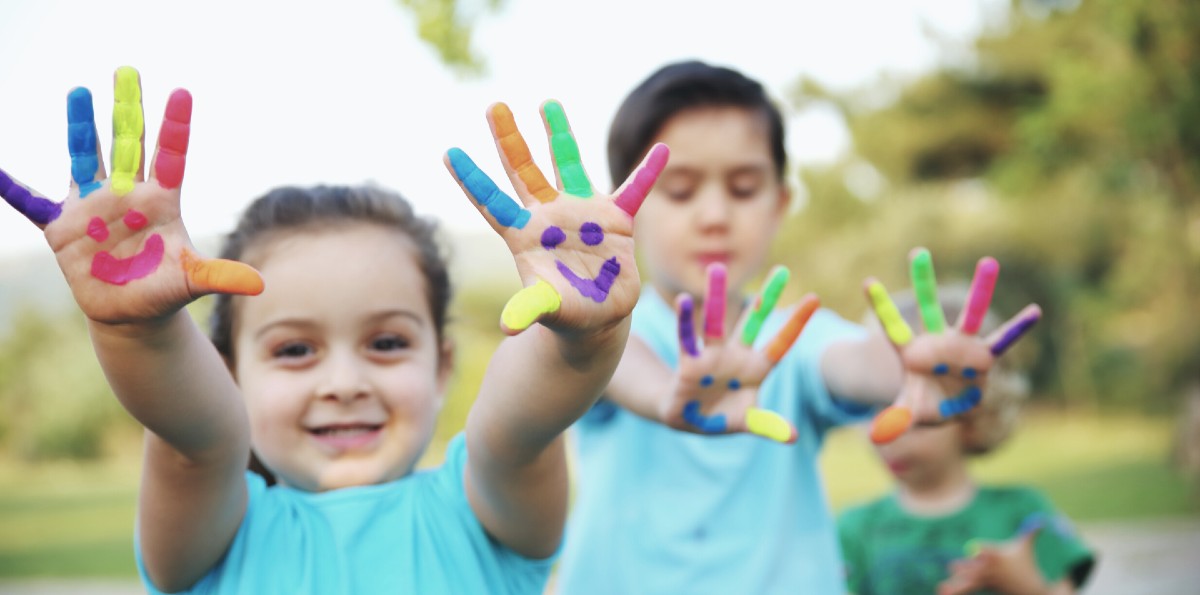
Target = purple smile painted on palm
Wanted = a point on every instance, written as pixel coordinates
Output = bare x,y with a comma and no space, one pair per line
596,288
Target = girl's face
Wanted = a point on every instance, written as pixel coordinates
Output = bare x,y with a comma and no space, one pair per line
338,359
717,200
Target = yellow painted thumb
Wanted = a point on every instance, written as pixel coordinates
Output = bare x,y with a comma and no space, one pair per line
769,424
528,305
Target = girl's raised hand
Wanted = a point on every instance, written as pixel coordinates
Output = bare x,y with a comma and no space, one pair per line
946,367
716,387
119,240
573,246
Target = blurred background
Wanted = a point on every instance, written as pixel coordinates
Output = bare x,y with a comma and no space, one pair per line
1060,136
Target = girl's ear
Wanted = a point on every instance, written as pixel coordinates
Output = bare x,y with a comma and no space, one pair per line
445,365
784,201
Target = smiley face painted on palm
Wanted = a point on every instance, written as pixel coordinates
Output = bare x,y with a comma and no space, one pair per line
591,234
119,271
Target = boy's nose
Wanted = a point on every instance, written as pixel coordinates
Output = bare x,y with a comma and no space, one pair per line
346,379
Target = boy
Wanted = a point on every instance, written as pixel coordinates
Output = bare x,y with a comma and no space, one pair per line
662,511
926,537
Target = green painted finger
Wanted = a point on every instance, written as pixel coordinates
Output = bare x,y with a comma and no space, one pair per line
566,152
765,303
893,323
769,424
925,285
528,305
128,127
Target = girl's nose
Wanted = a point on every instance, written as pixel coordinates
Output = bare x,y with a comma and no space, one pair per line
712,207
346,378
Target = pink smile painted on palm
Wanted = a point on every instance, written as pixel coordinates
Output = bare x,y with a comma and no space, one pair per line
119,271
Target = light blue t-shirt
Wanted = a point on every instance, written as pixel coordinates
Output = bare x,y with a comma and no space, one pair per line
414,535
664,511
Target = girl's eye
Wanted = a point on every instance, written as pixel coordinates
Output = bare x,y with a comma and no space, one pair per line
292,351
745,185
389,343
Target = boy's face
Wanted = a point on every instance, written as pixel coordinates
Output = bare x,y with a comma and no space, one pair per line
925,455
718,200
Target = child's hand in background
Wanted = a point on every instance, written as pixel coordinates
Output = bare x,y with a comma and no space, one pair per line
1008,567
716,388
573,247
946,367
119,240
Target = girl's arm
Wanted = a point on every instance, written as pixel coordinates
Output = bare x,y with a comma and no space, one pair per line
574,252
129,263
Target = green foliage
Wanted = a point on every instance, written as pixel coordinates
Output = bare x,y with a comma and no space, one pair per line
442,24
1071,152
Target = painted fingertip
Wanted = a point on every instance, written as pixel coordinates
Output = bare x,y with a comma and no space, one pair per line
708,424
890,424
528,305
769,424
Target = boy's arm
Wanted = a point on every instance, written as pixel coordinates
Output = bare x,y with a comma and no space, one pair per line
574,252
129,263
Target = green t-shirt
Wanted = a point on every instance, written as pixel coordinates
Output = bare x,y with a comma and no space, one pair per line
888,550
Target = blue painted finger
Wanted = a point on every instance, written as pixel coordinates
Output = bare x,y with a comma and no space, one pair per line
81,140
484,191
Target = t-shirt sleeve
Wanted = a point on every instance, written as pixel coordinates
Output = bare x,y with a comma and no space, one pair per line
255,487
1060,551
850,535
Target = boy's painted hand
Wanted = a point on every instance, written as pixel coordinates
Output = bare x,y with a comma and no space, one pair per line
946,367
119,239
1007,567
573,246
716,388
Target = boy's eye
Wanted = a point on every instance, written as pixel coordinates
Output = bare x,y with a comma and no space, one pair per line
292,351
389,343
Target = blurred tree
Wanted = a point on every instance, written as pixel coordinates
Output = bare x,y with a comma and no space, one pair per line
446,25
1070,150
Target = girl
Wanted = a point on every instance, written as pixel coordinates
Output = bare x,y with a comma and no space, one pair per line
333,376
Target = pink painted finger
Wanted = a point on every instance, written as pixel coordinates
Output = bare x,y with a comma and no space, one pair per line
1014,329
714,302
173,140
687,324
980,297
635,189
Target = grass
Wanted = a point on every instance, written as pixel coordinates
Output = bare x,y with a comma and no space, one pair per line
73,520
1092,467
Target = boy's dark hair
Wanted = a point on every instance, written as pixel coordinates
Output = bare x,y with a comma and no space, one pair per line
678,87
296,210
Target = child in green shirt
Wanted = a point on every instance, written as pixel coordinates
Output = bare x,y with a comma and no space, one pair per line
941,533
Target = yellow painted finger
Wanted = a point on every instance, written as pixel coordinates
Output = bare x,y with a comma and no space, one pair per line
893,323
128,128
528,305
769,424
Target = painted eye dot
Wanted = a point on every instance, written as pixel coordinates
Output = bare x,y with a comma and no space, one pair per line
552,237
97,229
135,220
591,234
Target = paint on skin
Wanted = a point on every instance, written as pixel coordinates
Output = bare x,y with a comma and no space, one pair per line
516,152
597,289
97,229
1015,332
964,402
484,191
787,336
687,327
128,127
552,237
35,208
637,187
734,384
980,296
941,370
890,424
566,152
769,424
134,220
765,304
885,309
173,137
119,271
714,302
970,373
81,140
220,275
709,424
591,233
925,286
707,380
526,306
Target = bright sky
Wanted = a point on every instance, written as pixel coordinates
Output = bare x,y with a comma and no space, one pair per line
342,91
